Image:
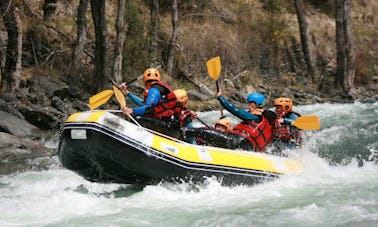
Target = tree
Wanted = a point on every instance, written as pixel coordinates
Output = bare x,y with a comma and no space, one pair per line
49,9
98,16
344,47
305,39
154,29
10,77
81,36
121,34
173,42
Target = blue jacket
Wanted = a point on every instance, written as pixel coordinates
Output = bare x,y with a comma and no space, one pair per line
152,100
238,112
292,117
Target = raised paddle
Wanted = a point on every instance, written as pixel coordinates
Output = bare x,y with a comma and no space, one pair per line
310,122
214,69
99,99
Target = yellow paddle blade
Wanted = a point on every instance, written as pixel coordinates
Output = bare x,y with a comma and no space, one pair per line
100,98
120,97
310,122
214,67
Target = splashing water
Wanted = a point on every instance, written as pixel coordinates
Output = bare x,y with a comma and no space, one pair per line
331,191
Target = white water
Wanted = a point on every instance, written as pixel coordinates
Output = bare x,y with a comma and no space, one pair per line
324,195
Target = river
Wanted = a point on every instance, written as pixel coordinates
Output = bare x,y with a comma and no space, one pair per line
332,190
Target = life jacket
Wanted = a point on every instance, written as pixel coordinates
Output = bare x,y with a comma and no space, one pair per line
287,133
167,106
259,134
185,117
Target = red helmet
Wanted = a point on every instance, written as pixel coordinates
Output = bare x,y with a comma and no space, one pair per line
285,103
151,74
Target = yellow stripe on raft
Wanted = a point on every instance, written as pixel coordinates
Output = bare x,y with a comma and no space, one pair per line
225,157
86,116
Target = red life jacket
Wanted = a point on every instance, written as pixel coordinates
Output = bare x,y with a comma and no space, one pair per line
259,134
185,117
286,133
167,106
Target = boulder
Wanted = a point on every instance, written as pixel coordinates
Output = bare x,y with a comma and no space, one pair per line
17,127
20,154
43,117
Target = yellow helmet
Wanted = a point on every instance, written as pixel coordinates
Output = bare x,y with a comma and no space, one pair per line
151,74
285,103
181,95
225,123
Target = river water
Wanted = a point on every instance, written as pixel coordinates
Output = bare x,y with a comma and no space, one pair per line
332,190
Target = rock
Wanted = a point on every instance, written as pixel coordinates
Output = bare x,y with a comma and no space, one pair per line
8,107
43,117
17,126
196,95
17,154
51,86
62,106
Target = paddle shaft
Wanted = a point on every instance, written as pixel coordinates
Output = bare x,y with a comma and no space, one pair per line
203,122
129,82
220,108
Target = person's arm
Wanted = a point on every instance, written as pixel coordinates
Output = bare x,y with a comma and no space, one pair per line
240,113
292,117
151,101
135,99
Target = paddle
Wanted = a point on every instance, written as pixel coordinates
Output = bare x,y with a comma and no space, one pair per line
122,102
203,122
213,69
119,96
135,79
310,122
103,96
99,99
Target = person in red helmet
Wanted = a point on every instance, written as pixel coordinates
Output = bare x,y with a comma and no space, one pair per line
284,134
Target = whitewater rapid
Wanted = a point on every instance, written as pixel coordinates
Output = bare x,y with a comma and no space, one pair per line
331,191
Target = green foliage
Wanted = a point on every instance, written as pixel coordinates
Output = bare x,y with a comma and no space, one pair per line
135,53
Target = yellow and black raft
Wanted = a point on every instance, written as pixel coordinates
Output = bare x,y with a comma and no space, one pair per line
103,147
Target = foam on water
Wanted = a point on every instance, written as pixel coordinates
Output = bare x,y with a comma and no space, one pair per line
323,195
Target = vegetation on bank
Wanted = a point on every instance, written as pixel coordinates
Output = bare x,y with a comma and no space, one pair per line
259,42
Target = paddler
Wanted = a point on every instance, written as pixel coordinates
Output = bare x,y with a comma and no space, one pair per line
256,122
159,100
285,135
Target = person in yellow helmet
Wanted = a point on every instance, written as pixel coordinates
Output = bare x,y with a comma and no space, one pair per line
186,115
284,134
223,125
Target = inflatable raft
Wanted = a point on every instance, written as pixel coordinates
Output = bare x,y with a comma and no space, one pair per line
103,147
